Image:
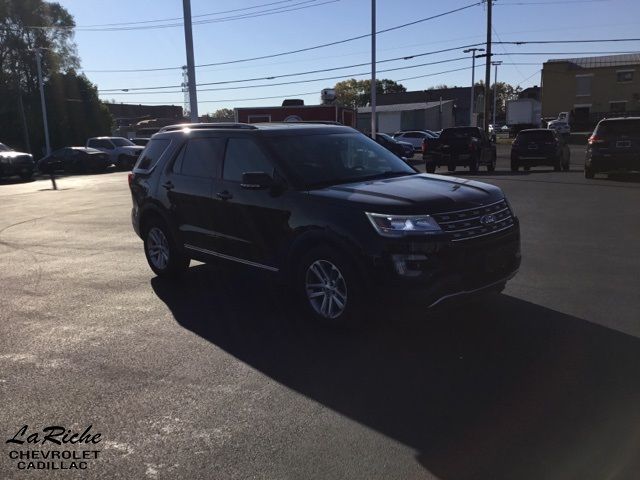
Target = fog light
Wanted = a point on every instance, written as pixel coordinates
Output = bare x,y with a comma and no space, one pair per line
402,264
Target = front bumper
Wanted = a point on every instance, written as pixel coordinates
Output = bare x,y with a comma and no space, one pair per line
439,271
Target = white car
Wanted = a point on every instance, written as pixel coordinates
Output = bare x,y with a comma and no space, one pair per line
559,126
123,153
414,137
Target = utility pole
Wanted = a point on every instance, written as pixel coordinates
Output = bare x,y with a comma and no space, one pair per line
374,126
191,69
487,70
23,117
473,79
44,106
495,81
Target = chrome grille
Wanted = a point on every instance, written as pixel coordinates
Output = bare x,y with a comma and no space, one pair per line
475,222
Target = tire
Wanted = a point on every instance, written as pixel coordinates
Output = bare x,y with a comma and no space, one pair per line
588,173
514,165
557,164
160,248
328,288
491,167
473,164
430,168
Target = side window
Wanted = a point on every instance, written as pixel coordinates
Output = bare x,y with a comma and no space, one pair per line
244,155
200,157
152,153
92,143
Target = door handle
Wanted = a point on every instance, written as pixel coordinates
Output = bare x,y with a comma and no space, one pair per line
224,195
168,185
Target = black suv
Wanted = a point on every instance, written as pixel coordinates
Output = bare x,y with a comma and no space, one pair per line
614,146
539,146
326,208
462,146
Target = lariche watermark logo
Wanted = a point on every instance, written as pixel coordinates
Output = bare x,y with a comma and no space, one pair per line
51,448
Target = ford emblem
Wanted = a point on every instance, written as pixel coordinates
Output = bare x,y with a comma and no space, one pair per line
487,219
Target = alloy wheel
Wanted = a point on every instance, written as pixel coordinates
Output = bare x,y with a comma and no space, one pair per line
158,248
326,289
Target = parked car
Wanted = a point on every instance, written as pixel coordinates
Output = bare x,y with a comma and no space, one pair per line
614,146
560,126
122,152
401,149
75,159
326,209
414,137
15,163
539,146
140,141
462,146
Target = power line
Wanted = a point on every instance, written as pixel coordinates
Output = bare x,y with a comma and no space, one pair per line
300,50
292,95
272,11
180,18
308,72
288,83
569,41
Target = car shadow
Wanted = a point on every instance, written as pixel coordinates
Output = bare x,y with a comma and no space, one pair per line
15,180
494,389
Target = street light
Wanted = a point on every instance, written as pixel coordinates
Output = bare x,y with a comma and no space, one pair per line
473,79
495,82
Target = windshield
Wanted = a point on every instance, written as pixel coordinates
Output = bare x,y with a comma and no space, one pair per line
536,135
460,133
387,137
619,127
317,160
122,142
4,148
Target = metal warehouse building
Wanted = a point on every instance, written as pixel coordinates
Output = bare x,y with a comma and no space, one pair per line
408,116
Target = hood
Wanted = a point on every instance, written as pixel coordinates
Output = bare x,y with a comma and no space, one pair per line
13,154
413,194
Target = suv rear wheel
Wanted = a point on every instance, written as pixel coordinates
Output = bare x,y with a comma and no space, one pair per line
327,287
162,253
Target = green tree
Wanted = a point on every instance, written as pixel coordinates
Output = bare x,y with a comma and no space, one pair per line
223,114
27,25
357,93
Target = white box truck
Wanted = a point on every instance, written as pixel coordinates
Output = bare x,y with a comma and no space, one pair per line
523,113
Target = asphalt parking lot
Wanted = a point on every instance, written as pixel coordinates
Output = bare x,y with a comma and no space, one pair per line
213,378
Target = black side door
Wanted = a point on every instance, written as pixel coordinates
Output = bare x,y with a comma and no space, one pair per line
187,184
251,222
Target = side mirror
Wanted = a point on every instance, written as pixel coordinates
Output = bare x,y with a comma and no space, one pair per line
256,180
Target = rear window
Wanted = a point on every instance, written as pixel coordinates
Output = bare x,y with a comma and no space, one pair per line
152,153
538,135
460,133
619,127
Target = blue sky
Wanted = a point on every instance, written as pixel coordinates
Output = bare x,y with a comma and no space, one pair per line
250,37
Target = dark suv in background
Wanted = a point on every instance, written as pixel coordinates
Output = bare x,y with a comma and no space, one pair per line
462,146
327,209
539,146
614,146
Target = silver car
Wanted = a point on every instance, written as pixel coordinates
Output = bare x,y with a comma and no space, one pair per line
414,137
122,152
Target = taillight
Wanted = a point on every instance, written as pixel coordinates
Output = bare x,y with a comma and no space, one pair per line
593,139
130,178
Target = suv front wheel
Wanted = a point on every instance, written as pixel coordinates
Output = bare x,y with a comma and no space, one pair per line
327,287
162,253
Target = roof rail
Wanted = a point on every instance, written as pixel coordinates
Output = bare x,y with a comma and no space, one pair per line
319,122
204,126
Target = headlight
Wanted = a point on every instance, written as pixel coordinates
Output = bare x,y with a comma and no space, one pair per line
401,225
